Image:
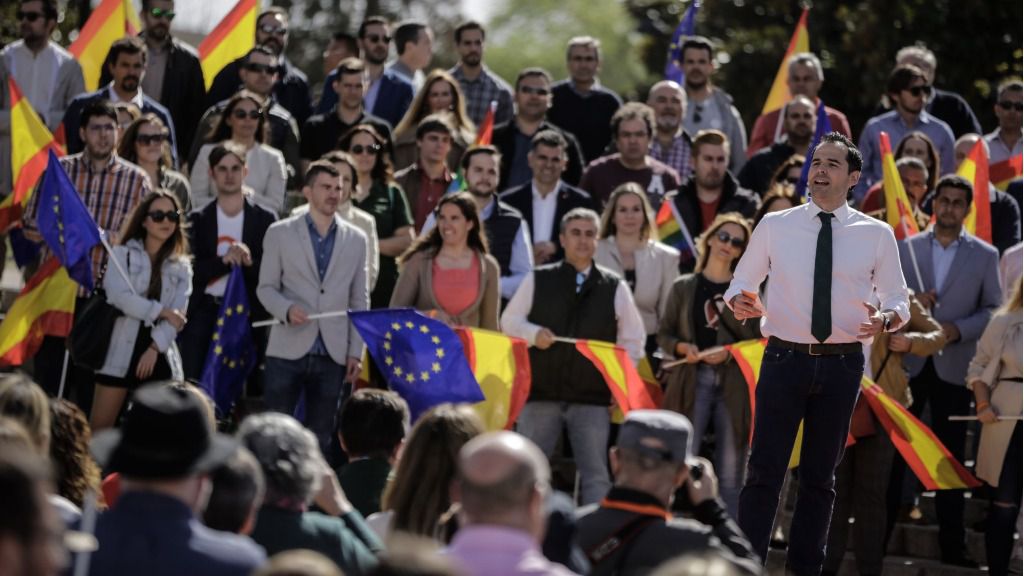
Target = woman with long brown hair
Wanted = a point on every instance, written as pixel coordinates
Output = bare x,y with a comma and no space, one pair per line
441,94
146,143
448,270
710,388
153,298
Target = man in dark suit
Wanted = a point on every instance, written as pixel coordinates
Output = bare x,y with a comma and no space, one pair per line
226,233
546,198
956,276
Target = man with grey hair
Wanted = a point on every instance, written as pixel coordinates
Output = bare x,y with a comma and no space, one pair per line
945,105
804,78
580,104
632,531
671,143
503,482
296,476
580,300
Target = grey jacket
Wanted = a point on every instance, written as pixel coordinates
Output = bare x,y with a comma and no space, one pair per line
175,288
732,125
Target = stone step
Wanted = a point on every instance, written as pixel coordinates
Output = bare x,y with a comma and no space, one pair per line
894,566
975,508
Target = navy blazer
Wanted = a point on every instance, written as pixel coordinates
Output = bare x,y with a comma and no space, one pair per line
73,119
393,98
967,298
569,197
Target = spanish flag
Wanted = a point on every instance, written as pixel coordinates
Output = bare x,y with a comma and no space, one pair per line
1002,173
975,169
799,42
30,141
898,212
45,307
110,21
622,377
230,40
501,365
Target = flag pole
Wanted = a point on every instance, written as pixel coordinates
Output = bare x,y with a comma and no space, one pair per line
913,261
275,321
63,374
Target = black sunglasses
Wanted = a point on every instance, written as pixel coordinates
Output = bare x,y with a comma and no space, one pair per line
698,109
532,90
158,216
242,114
147,139
723,236
161,13
1008,105
29,16
375,38
919,90
275,30
262,68
359,149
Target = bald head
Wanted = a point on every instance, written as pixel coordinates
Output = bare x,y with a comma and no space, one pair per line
668,99
963,146
502,479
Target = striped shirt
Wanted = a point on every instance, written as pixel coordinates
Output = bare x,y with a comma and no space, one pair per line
479,93
676,156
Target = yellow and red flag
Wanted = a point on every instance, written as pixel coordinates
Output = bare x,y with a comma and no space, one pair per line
799,42
486,131
30,141
1002,173
110,21
898,211
230,40
619,373
501,365
975,169
44,307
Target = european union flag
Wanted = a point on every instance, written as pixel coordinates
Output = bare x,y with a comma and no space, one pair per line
421,358
673,64
822,127
232,354
65,224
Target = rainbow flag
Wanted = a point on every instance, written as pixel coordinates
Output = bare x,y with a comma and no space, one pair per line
501,365
898,212
230,39
30,143
617,369
111,20
799,42
44,307
975,169
1002,173
672,229
486,131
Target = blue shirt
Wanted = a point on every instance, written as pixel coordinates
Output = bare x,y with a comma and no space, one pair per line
891,123
942,259
323,247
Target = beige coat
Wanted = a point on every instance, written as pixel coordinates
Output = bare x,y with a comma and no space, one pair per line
657,267
998,357
415,288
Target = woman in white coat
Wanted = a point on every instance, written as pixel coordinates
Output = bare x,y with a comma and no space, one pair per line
153,304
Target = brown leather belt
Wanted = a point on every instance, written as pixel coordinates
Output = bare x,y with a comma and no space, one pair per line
817,349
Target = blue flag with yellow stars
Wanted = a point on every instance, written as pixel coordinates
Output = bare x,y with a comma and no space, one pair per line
65,223
421,358
232,354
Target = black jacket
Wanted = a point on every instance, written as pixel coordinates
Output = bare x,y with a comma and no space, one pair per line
569,197
504,139
756,174
734,199
291,89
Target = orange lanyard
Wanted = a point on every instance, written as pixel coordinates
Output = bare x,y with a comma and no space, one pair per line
644,509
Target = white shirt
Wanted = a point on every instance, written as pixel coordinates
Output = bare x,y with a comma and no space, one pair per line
865,261
544,208
630,333
229,231
115,97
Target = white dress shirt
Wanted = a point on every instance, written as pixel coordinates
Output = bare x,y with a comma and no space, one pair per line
544,208
630,333
865,265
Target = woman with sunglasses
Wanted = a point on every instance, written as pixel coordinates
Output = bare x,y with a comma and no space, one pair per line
154,254
448,272
628,247
146,142
244,122
710,388
441,93
378,194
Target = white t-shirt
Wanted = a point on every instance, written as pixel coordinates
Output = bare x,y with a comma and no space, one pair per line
229,231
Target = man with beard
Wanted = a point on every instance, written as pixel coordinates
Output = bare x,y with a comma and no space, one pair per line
709,106
633,127
291,89
800,121
126,63
713,190
1005,141
671,143
479,84
580,104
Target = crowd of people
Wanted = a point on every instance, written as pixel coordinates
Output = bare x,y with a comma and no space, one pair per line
375,193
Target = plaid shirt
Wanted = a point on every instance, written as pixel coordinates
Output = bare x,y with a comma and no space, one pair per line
677,156
479,93
109,195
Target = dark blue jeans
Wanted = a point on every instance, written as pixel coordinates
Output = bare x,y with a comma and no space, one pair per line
320,378
821,391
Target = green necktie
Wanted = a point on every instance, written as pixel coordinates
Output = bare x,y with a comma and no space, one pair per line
821,308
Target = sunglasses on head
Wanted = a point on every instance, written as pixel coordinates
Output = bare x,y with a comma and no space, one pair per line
1008,105
723,236
158,216
275,30
532,90
378,38
923,89
147,139
161,13
262,68
242,114
360,149
28,16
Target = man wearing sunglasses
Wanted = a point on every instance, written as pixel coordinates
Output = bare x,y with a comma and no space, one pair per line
908,91
1004,141
291,88
48,75
945,105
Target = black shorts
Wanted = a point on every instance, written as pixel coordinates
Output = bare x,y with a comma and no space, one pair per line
161,370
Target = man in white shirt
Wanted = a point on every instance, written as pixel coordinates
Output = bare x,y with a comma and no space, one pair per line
580,300
818,318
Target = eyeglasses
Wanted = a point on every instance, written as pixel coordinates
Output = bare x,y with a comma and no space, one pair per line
360,149
158,216
723,236
161,13
261,68
532,90
28,16
698,109
923,89
1009,105
274,30
242,114
147,139
378,38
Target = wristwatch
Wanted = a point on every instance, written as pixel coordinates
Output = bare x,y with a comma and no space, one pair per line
886,322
